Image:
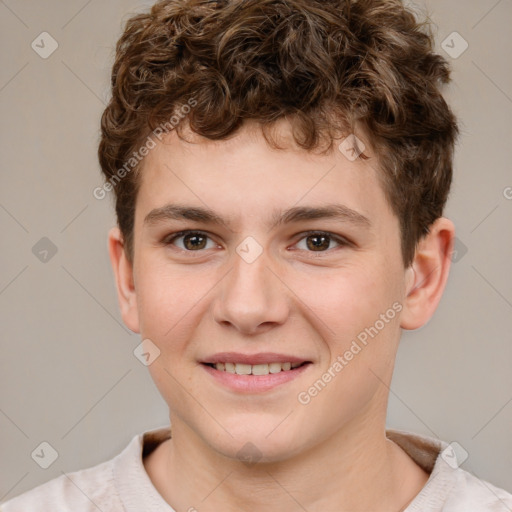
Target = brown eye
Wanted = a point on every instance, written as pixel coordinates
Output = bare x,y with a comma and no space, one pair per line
194,241
321,241
191,240
318,242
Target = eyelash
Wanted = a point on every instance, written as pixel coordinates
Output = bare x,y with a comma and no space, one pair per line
169,239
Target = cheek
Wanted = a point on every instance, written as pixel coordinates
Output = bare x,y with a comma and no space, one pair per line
355,306
361,330
172,302
165,298
345,297
169,304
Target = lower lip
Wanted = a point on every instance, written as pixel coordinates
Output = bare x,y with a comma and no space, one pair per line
255,383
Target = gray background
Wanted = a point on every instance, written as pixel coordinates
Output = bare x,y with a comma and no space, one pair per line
67,372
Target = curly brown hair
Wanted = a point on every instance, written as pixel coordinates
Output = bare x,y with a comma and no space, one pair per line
328,66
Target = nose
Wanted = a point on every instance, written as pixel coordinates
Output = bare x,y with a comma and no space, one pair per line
252,297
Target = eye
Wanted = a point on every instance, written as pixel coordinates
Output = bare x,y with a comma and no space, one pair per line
319,241
193,241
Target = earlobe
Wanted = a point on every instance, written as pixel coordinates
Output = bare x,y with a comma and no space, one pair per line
123,273
428,274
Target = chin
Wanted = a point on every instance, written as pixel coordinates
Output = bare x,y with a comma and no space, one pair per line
255,445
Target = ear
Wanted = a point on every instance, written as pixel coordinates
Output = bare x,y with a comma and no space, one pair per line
123,271
428,274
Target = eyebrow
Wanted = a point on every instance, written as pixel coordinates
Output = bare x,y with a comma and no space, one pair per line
295,214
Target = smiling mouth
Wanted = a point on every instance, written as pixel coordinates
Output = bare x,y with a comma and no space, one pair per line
256,369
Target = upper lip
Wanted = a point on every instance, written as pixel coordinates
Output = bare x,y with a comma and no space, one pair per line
252,359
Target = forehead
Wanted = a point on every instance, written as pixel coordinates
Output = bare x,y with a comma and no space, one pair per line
243,177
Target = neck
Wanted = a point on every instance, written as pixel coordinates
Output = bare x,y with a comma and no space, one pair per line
355,469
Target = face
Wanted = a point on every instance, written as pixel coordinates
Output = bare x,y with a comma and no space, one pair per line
266,275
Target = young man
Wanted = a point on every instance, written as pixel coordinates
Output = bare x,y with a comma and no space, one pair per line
280,171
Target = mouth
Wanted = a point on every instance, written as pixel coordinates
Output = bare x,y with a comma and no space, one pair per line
256,369
256,373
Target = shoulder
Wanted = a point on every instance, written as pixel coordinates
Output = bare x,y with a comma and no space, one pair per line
87,490
449,487
472,493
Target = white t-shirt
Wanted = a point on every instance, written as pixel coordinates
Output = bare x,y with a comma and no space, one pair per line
122,484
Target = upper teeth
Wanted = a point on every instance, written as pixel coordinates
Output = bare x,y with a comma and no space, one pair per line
255,369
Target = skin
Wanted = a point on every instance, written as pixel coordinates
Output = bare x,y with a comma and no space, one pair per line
331,454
